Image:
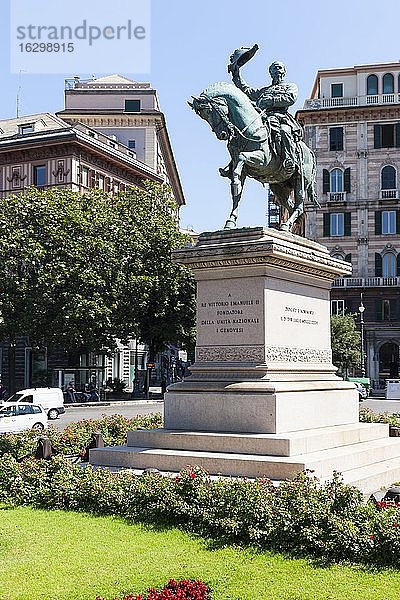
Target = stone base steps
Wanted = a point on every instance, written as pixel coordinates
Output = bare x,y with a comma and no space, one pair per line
272,444
363,452
376,476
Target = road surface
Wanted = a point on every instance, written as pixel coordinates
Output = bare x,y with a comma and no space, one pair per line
380,405
127,409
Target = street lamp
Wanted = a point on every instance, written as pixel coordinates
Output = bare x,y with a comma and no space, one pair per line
361,309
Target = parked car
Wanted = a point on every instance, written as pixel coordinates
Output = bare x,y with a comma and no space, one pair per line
362,391
18,416
51,399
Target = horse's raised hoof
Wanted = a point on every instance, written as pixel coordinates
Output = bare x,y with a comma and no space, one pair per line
230,224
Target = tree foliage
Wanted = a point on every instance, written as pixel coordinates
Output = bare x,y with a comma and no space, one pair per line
345,341
81,270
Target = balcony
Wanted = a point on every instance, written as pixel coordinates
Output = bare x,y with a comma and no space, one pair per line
366,282
389,194
336,197
318,103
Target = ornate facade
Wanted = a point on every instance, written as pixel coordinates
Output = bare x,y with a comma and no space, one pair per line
352,122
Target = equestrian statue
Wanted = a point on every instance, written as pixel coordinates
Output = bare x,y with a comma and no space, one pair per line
264,140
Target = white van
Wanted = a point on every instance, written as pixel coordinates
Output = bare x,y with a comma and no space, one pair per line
51,399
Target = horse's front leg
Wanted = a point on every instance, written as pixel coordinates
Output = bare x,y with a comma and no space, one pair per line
236,185
231,222
254,158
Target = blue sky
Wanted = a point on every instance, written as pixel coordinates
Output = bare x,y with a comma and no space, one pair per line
190,46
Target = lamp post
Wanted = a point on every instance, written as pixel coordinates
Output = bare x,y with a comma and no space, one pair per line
361,309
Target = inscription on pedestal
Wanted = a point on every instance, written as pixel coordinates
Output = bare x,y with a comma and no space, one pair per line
229,317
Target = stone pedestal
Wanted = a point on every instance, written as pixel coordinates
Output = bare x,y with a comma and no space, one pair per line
263,353
263,399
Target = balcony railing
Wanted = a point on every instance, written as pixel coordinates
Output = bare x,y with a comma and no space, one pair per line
387,194
364,282
318,103
336,196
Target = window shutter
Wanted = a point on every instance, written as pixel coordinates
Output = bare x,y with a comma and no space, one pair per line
347,258
347,223
397,221
378,264
393,309
377,136
326,184
378,222
378,309
347,186
397,135
339,139
327,225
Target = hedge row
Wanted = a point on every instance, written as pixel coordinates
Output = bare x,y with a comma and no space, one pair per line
76,435
300,516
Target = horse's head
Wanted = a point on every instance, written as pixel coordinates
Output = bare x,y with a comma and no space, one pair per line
215,112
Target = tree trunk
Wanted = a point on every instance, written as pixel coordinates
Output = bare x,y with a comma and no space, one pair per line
11,365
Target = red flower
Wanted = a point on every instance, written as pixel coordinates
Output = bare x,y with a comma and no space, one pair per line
371,537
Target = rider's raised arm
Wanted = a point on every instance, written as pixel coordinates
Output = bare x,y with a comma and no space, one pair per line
238,80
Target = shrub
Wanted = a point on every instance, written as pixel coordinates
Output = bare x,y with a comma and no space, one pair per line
76,435
368,416
185,589
301,516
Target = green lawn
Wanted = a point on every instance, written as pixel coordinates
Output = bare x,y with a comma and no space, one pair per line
64,556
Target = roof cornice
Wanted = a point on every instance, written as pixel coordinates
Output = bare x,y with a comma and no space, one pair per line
349,113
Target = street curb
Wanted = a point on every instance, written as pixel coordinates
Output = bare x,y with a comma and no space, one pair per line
117,402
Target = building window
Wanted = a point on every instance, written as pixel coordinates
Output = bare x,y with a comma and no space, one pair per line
388,83
336,138
386,310
336,180
387,136
100,182
132,144
85,176
337,90
388,265
387,222
26,129
337,307
16,177
337,224
132,106
39,175
372,85
388,178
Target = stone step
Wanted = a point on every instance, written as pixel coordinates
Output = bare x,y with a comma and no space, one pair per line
285,444
323,462
371,478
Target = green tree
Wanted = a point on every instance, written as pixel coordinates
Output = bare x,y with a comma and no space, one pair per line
79,271
346,342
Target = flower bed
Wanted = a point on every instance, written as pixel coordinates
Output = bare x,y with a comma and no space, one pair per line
300,516
185,589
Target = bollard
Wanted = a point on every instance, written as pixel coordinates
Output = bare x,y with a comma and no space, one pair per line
43,449
96,441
